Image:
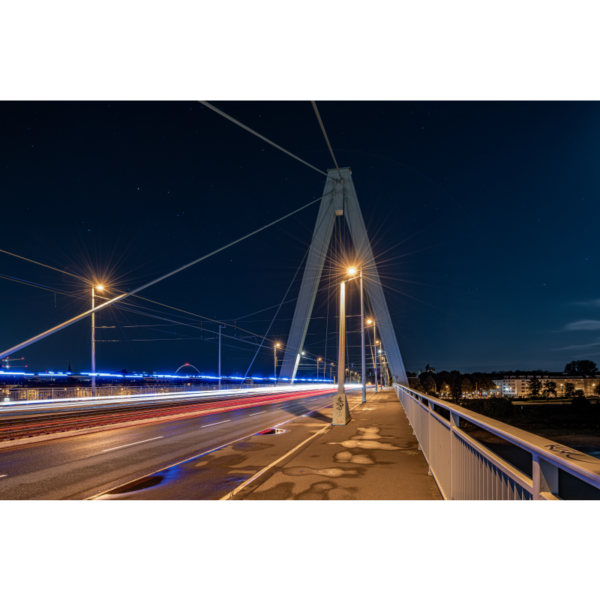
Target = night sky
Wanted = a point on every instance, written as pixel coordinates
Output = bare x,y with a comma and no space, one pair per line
483,216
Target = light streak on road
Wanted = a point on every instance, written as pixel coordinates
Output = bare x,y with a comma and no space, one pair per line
170,396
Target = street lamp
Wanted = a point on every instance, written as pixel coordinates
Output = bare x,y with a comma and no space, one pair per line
341,412
275,357
100,288
318,361
371,322
352,273
330,371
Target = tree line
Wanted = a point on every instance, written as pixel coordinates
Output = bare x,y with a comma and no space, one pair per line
451,383
455,385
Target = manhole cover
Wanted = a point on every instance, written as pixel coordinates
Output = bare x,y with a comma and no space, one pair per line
271,432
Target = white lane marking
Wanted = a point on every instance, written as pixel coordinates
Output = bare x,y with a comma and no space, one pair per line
237,489
243,485
134,443
203,426
3,475
203,453
258,413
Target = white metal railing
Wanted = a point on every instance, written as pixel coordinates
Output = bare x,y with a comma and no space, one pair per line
465,469
32,394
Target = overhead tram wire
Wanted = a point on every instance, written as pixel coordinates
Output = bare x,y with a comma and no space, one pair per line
88,282
262,137
57,328
35,262
201,317
125,294
128,307
185,324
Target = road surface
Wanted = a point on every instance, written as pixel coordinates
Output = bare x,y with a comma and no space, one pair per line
82,466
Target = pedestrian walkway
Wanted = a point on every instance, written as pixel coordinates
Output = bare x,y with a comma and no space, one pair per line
374,457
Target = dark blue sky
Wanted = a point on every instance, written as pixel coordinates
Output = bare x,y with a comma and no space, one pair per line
483,215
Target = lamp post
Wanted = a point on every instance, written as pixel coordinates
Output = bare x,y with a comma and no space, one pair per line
330,371
384,369
352,271
318,361
377,364
341,412
362,341
99,287
275,357
374,357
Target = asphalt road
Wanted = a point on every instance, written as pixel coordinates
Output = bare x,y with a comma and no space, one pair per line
83,466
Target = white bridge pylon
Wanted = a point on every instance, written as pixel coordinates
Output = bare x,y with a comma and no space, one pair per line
340,199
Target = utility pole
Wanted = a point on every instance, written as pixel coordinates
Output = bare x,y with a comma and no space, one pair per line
362,343
220,326
100,288
275,357
375,340
93,344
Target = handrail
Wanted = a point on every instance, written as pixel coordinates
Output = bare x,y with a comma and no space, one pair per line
471,459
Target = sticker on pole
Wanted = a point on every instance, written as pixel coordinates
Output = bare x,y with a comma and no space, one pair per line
341,412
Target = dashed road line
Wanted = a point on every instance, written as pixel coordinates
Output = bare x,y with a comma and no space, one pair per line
211,424
134,443
105,492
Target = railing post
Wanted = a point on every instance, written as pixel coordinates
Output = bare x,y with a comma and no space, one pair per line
545,477
454,424
429,410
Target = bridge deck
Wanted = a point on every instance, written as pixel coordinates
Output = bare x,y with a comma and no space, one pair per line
374,457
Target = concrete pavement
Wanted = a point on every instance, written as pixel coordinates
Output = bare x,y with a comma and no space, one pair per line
374,457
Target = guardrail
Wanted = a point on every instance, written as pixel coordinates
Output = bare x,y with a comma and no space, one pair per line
466,469
32,394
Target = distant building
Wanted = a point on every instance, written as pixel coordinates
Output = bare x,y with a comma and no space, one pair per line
518,385
429,369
